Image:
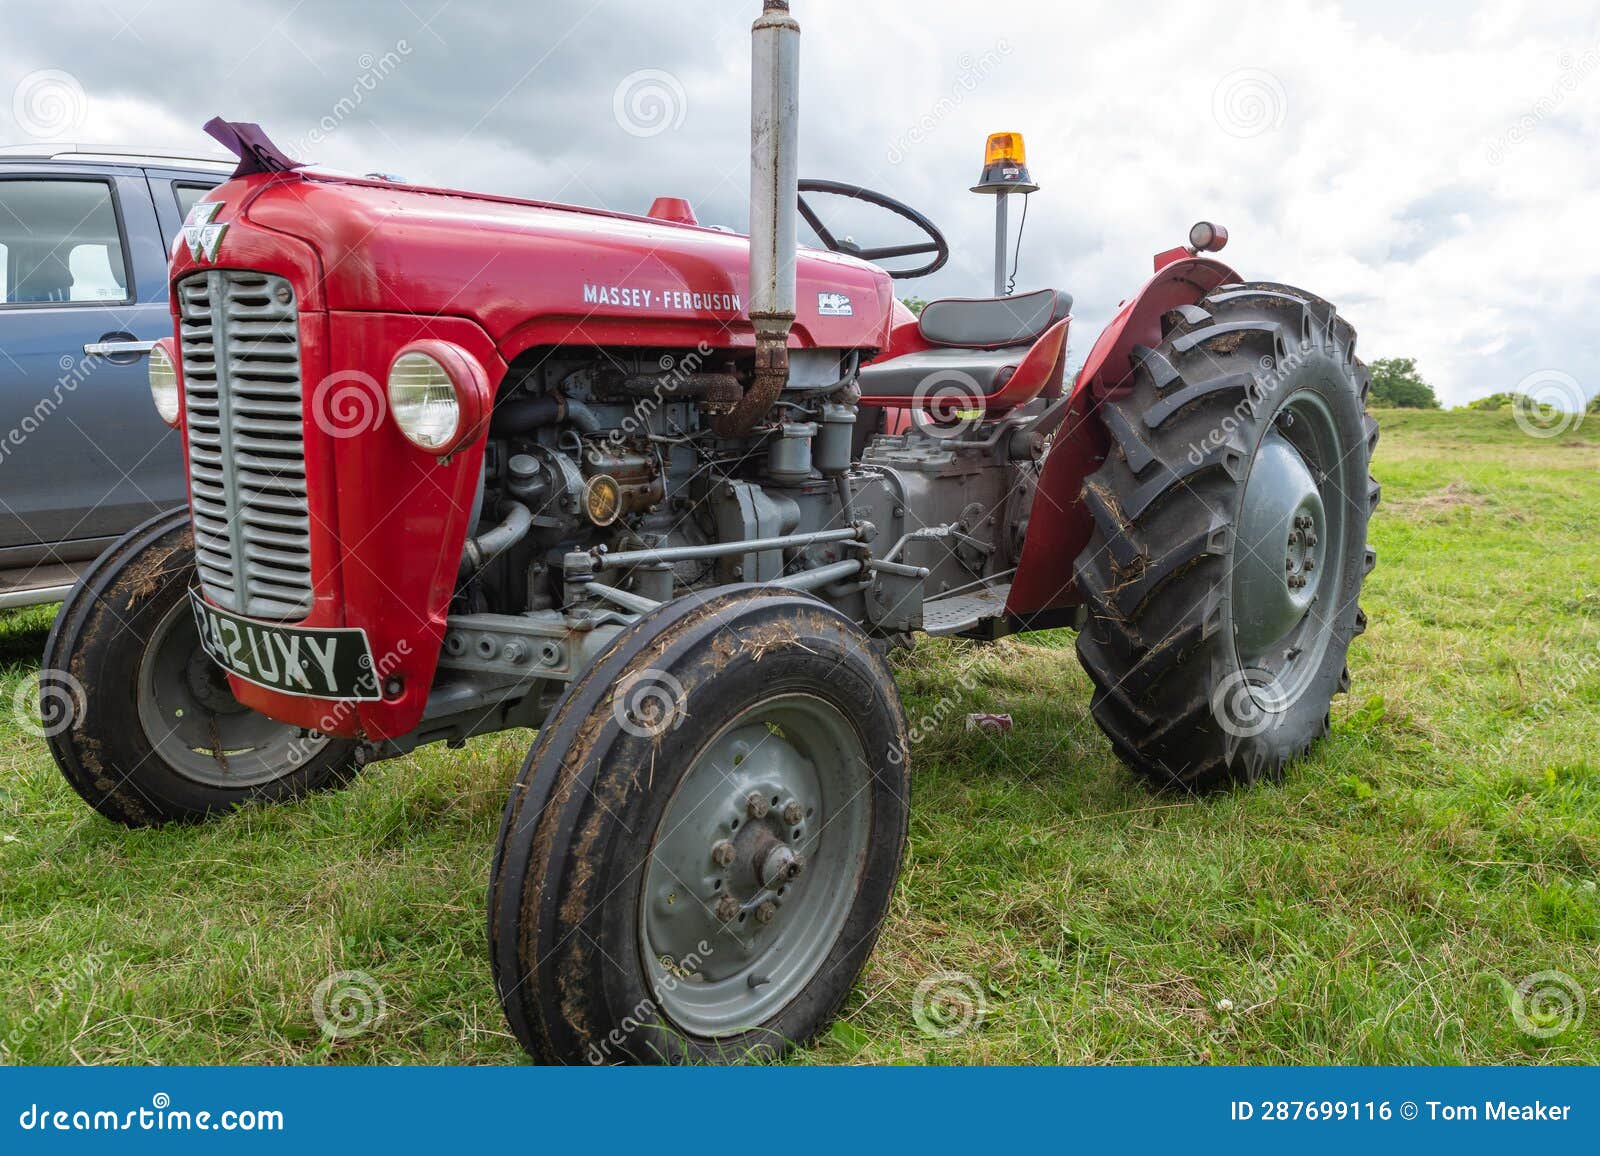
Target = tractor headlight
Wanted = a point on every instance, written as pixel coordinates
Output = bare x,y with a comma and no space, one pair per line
164,383
423,400
438,395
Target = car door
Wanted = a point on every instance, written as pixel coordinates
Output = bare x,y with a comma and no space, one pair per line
83,456
175,191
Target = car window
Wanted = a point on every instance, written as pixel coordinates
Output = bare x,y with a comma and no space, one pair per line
61,242
187,195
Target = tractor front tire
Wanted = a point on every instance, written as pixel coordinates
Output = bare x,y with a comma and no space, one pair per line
140,720
1229,542
697,857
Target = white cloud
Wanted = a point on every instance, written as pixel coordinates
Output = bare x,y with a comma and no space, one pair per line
1430,169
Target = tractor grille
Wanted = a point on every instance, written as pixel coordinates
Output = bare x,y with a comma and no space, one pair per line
247,464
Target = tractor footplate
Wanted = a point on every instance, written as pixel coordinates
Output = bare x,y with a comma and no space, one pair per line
961,612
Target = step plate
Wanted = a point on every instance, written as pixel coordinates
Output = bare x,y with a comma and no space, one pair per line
962,612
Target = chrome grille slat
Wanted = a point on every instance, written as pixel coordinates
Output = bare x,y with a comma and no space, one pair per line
246,442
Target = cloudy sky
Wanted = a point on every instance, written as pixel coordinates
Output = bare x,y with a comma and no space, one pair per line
1432,169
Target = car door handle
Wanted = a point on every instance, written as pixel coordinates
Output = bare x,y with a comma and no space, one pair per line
112,348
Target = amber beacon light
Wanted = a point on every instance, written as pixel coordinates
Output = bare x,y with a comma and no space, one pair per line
1005,165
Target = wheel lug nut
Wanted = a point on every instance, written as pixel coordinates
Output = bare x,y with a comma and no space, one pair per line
727,908
1311,563
723,854
766,912
793,813
1311,539
1288,563
756,805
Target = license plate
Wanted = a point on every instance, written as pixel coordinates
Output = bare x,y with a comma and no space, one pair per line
289,659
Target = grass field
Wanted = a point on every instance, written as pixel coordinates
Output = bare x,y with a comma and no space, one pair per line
1382,905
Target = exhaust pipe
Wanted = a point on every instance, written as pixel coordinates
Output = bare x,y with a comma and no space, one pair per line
774,187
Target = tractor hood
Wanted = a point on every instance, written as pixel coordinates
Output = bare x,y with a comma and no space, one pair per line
534,273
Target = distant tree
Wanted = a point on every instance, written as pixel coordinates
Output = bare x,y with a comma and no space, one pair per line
1396,383
915,304
1528,404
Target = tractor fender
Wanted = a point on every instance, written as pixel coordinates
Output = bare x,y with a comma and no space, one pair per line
1058,523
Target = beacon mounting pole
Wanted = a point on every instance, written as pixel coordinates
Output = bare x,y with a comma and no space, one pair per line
1005,171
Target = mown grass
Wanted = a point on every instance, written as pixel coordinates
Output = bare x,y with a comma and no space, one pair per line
1379,906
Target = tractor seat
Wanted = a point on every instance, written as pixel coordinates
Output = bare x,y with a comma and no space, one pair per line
990,322
982,339
988,369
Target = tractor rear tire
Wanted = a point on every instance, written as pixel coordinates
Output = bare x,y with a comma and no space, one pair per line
699,852
1229,542
140,720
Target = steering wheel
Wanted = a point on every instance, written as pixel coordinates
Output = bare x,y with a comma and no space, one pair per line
935,244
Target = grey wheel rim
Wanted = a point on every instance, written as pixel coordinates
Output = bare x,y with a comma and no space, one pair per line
755,865
196,726
1290,551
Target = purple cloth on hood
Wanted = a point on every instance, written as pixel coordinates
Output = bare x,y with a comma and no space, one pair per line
256,153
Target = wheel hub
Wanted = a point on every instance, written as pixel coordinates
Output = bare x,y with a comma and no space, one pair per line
209,685
756,862
1278,553
752,873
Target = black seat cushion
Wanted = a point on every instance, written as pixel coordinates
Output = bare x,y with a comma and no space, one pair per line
989,322
942,371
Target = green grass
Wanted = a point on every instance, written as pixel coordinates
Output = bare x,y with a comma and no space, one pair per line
1379,906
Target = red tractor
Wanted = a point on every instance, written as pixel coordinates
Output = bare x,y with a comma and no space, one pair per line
670,495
